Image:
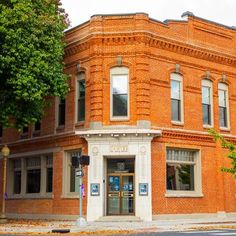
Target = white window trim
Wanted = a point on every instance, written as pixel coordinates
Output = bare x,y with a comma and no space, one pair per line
178,77
208,83
23,194
197,176
225,87
66,178
119,71
80,76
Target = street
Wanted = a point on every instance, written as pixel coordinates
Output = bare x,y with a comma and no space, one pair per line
213,232
216,232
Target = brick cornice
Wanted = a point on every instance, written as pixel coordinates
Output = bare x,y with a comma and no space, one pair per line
152,40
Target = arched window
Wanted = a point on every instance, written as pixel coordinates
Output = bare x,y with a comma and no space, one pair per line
119,93
176,83
207,101
223,105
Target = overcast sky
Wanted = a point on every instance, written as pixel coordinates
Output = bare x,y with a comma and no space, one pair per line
221,11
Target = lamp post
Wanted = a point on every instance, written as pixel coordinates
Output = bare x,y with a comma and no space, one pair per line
5,153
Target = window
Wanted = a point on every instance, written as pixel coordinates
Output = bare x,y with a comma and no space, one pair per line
37,126
31,177
81,97
17,176
61,112
33,166
1,131
119,93
176,98
182,171
25,130
223,105
49,173
207,108
70,181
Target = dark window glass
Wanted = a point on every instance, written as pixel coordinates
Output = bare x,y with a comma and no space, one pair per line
62,112
72,179
49,179
175,101
206,105
37,126
81,100
223,108
180,177
223,117
17,182
120,105
206,110
0,131
25,130
175,110
120,95
33,181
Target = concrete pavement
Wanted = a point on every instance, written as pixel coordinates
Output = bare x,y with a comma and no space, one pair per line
114,227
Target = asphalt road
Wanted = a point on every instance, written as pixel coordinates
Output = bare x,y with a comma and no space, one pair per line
216,232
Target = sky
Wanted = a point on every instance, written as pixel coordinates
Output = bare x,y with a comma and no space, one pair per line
221,11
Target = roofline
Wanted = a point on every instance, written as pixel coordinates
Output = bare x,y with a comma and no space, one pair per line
165,22
188,13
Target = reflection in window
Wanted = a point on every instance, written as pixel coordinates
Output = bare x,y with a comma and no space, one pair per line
180,169
120,95
49,178
17,176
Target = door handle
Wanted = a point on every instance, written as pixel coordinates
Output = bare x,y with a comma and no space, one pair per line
113,194
127,194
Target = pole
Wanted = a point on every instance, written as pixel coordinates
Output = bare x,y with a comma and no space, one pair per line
3,218
81,221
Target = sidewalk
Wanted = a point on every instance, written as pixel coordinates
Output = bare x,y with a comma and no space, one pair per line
108,228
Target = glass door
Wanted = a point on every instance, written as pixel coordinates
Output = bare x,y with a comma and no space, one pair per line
120,194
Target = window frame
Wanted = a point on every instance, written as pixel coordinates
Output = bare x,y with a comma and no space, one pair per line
224,87
179,78
58,103
208,83
66,193
80,77
114,72
23,193
197,192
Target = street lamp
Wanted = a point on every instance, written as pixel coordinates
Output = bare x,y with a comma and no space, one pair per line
5,153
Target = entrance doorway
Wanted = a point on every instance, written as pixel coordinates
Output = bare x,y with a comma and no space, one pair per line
120,187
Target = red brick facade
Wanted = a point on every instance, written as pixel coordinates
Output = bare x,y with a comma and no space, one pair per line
196,49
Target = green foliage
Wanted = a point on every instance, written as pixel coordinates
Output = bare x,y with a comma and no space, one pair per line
31,54
232,151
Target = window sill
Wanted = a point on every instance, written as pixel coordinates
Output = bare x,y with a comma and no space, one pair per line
183,194
60,128
225,129
67,196
31,196
208,126
119,118
79,124
180,123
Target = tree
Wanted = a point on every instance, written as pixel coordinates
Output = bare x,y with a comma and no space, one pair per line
31,54
232,151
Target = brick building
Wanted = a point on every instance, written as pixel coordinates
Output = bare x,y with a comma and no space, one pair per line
143,95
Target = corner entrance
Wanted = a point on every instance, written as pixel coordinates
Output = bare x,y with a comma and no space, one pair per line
120,187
